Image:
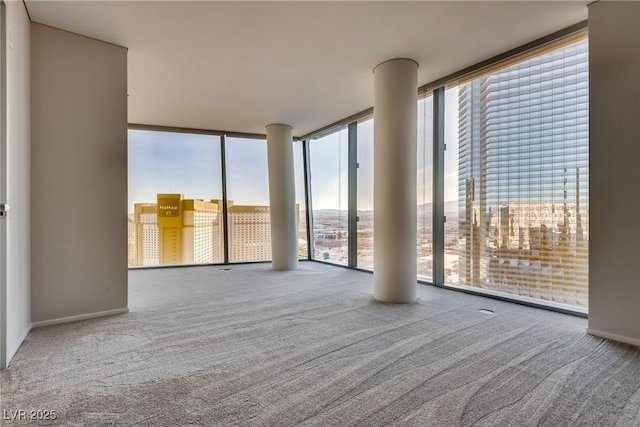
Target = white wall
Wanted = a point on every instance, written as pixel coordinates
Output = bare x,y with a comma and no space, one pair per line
17,304
79,176
614,103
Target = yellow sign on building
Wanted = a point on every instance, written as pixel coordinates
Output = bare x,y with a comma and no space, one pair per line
170,227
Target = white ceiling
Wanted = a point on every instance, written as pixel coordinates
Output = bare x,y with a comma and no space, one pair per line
238,66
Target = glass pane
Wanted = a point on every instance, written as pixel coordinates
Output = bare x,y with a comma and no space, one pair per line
249,222
301,206
517,145
365,194
329,188
451,228
175,194
425,188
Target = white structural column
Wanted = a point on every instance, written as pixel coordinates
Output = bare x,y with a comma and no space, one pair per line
282,196
395,146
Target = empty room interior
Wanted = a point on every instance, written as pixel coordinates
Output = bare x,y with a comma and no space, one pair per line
320,213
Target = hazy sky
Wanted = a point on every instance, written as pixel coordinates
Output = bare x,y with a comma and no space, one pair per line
329,180
189,164
165,162
247,173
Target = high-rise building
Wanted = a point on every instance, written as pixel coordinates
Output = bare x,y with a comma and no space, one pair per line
178,231
131,241
169,228
189,231
249,230
145,217
202,232
523,177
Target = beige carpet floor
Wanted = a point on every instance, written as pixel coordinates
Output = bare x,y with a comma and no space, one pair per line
252,347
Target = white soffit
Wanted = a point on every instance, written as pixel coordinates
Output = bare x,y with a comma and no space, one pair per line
239,66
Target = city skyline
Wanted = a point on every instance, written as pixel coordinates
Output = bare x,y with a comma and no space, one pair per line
176,230
523,178
190,164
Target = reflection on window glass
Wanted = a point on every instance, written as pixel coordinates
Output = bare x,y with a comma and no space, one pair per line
451,211
365,194
301,209
329,188
249,221
175,193
425,188
517,178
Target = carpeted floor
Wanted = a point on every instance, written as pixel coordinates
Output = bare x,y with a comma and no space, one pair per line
252,347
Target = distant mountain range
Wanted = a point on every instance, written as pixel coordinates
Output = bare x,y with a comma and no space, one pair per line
450,208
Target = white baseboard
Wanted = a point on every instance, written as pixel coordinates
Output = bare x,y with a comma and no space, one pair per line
79,317
614,337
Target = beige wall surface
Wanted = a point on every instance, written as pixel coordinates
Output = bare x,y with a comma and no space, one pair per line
18,300
78,175
614,104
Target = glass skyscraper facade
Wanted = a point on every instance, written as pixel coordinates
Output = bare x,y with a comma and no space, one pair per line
523,174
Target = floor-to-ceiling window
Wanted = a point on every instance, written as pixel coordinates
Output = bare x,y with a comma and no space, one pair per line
517,166
425,188
176,212
329,191
364,178
514,180
175,193
247,179
329,171
450,182
301,207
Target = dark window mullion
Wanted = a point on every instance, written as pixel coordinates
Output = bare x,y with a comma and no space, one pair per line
438,186
353,194
225,225
307,195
